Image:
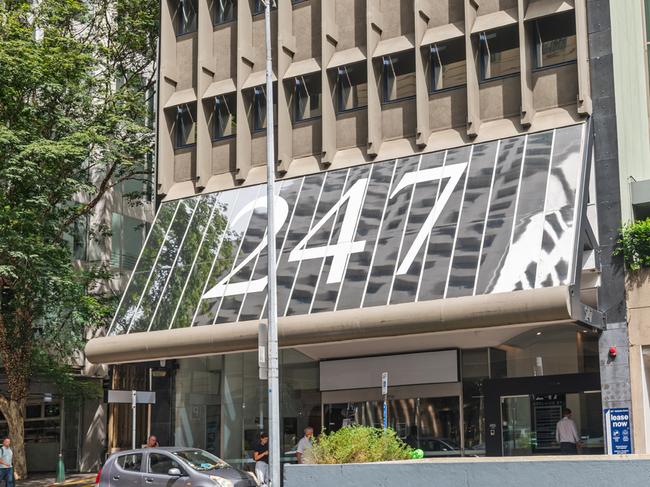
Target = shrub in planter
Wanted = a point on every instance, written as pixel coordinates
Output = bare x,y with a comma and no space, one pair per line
358,444
634,244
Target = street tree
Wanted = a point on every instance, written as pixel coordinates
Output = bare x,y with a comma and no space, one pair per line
75,78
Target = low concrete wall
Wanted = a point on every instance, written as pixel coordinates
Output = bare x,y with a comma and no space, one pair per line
594,471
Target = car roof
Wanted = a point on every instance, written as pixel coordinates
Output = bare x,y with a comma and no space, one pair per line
168,449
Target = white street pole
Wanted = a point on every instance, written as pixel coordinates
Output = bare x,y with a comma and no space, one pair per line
134,402
274,380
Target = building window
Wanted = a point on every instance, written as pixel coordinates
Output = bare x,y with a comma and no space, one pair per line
448,64
555,40
259,108
77,238
186,17
224,11
224,124
185,126
352,84
258,6
127,239
306,102
399,76
499,52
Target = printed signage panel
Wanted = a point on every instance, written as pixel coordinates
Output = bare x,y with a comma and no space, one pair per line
498,216
619,431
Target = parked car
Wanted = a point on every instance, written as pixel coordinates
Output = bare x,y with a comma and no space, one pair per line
170,467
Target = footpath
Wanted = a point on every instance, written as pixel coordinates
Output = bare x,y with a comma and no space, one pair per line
49,480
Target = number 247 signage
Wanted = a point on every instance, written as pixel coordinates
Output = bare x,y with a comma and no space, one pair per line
491,217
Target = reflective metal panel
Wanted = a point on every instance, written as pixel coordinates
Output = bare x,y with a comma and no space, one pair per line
493,217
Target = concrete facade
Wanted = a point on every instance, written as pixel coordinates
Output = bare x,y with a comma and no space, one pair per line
540,472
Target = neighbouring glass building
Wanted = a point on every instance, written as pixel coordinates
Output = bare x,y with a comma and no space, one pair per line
446,206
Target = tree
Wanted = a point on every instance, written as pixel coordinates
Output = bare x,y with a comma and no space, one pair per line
74,80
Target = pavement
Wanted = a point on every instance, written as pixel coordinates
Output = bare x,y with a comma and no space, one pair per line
49,479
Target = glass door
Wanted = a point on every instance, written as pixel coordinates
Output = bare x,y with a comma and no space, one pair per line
517,434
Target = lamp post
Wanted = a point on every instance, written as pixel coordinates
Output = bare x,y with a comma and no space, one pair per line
273,372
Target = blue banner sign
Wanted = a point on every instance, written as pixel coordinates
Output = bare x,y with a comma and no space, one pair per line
619,431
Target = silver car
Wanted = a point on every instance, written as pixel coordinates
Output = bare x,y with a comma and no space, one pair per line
170,467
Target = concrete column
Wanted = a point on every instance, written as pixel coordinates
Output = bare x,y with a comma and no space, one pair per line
423,130
244,69
329,35
471,54
373,36
526,46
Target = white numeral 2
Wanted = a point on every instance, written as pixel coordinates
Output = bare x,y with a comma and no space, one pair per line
223,288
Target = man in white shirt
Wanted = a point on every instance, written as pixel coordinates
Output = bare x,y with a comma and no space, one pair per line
304,444
7,463
566,434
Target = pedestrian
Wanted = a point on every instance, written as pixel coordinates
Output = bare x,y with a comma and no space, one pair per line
566,434
261,457
7,463
304,444
152,442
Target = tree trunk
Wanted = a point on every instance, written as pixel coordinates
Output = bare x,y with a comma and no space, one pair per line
13,412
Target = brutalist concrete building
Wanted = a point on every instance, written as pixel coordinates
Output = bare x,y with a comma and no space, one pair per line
448,205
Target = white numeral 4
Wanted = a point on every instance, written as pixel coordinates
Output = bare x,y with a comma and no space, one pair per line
345,246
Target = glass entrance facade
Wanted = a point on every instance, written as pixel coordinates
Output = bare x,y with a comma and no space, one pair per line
505,400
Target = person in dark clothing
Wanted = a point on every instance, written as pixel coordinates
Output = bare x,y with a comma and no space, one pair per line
412,438
261,457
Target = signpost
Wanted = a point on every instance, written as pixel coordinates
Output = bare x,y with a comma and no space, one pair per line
619,433
134,398
384,393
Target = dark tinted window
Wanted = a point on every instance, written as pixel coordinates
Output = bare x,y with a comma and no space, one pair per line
131,462
555,40
499,52
160,463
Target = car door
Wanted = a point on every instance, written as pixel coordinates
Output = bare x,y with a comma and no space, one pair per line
126,470
156,473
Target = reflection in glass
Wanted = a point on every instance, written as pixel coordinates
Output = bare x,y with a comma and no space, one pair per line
131,297
380,276
472,221
555,39
192,242
499,52
441,240
164,266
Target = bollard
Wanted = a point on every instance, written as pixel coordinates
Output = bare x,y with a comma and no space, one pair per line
60,470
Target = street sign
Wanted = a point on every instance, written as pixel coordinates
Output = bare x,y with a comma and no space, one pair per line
133,398
262,351
126,397
619,433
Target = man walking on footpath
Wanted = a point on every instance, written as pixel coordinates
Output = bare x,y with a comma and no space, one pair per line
7,463
261,457
304,444
566,434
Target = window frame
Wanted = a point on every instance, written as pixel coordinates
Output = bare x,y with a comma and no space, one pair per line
483,42
386,61
258,94
217,118
180,26
538,42
299,85
258,7
339,89
178,145
432,71
216,22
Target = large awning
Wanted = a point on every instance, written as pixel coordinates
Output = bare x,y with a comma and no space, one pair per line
480,235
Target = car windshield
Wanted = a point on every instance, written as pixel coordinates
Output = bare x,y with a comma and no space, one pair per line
201,460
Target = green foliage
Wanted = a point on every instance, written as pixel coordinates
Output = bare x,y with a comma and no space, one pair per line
634,244
358,444
76,77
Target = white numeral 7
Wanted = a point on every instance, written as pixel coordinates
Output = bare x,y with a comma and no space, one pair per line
454,173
